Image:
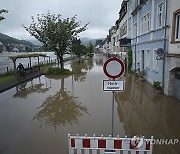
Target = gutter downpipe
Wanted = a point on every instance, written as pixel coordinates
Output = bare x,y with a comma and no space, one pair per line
165,40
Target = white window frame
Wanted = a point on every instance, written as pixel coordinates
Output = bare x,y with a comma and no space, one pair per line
148,58
148,21
142,25
135,29
145,23
159,18
155,61
177,27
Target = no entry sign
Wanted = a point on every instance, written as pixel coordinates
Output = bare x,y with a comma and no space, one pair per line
113,68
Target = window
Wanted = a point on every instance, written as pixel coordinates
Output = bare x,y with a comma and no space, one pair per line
177,28
145,23
147,59
175,37
155,61
160,16
123,29
138,57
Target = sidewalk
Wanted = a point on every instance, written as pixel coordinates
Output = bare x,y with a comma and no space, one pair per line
12,83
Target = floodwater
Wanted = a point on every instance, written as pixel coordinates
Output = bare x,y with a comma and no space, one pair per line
37,116
5,61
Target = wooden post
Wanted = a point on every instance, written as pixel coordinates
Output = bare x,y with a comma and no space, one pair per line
30,61
14,62
38,60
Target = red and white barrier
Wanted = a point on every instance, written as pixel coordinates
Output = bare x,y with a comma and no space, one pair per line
107,145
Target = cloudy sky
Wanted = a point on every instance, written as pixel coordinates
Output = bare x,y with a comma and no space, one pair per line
101,14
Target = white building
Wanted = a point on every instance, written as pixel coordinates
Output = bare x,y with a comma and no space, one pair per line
124,44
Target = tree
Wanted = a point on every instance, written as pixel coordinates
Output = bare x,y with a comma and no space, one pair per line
3,11
55,33
90,48
129,59
77,48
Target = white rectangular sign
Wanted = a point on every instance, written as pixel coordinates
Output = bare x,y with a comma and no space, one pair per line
113,85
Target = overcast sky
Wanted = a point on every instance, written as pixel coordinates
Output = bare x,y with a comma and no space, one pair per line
101,14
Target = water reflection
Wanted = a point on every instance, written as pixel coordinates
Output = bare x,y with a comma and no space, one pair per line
145,112
80,69
23,90
60,109
99,61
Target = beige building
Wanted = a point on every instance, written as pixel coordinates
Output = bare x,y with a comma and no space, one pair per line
172,60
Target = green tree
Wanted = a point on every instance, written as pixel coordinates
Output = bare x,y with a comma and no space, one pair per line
3,11
55,33
129,59
90,48
78,49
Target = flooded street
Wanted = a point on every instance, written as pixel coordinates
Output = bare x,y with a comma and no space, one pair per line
37,116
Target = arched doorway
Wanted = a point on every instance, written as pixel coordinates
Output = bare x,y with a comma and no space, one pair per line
174,82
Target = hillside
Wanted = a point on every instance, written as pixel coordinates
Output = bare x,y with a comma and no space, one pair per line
85,40
5,39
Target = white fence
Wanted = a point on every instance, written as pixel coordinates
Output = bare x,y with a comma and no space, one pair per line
108,145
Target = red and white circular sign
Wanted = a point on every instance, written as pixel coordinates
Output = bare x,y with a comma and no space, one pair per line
113,68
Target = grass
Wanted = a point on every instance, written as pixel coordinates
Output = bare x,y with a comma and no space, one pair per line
11,72
7,78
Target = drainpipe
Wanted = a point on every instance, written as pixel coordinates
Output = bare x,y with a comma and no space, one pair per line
135,53
165,40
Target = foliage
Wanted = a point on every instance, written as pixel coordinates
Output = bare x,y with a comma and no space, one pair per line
125,62
57,70
3,11
28,56
78,49
129,59
55,32
90,48
157,85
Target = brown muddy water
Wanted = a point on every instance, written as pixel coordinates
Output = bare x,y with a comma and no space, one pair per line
37,116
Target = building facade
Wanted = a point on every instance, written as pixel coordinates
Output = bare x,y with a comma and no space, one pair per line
123,26
146,25
172,60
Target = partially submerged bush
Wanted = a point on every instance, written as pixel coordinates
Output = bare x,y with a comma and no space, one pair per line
157,85
57,70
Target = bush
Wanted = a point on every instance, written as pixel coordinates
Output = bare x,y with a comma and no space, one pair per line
57,70
157,85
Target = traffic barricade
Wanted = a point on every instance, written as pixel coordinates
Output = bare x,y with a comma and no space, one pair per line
109,145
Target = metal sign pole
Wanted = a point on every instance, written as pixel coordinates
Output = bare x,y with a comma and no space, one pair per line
113,114
110,63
